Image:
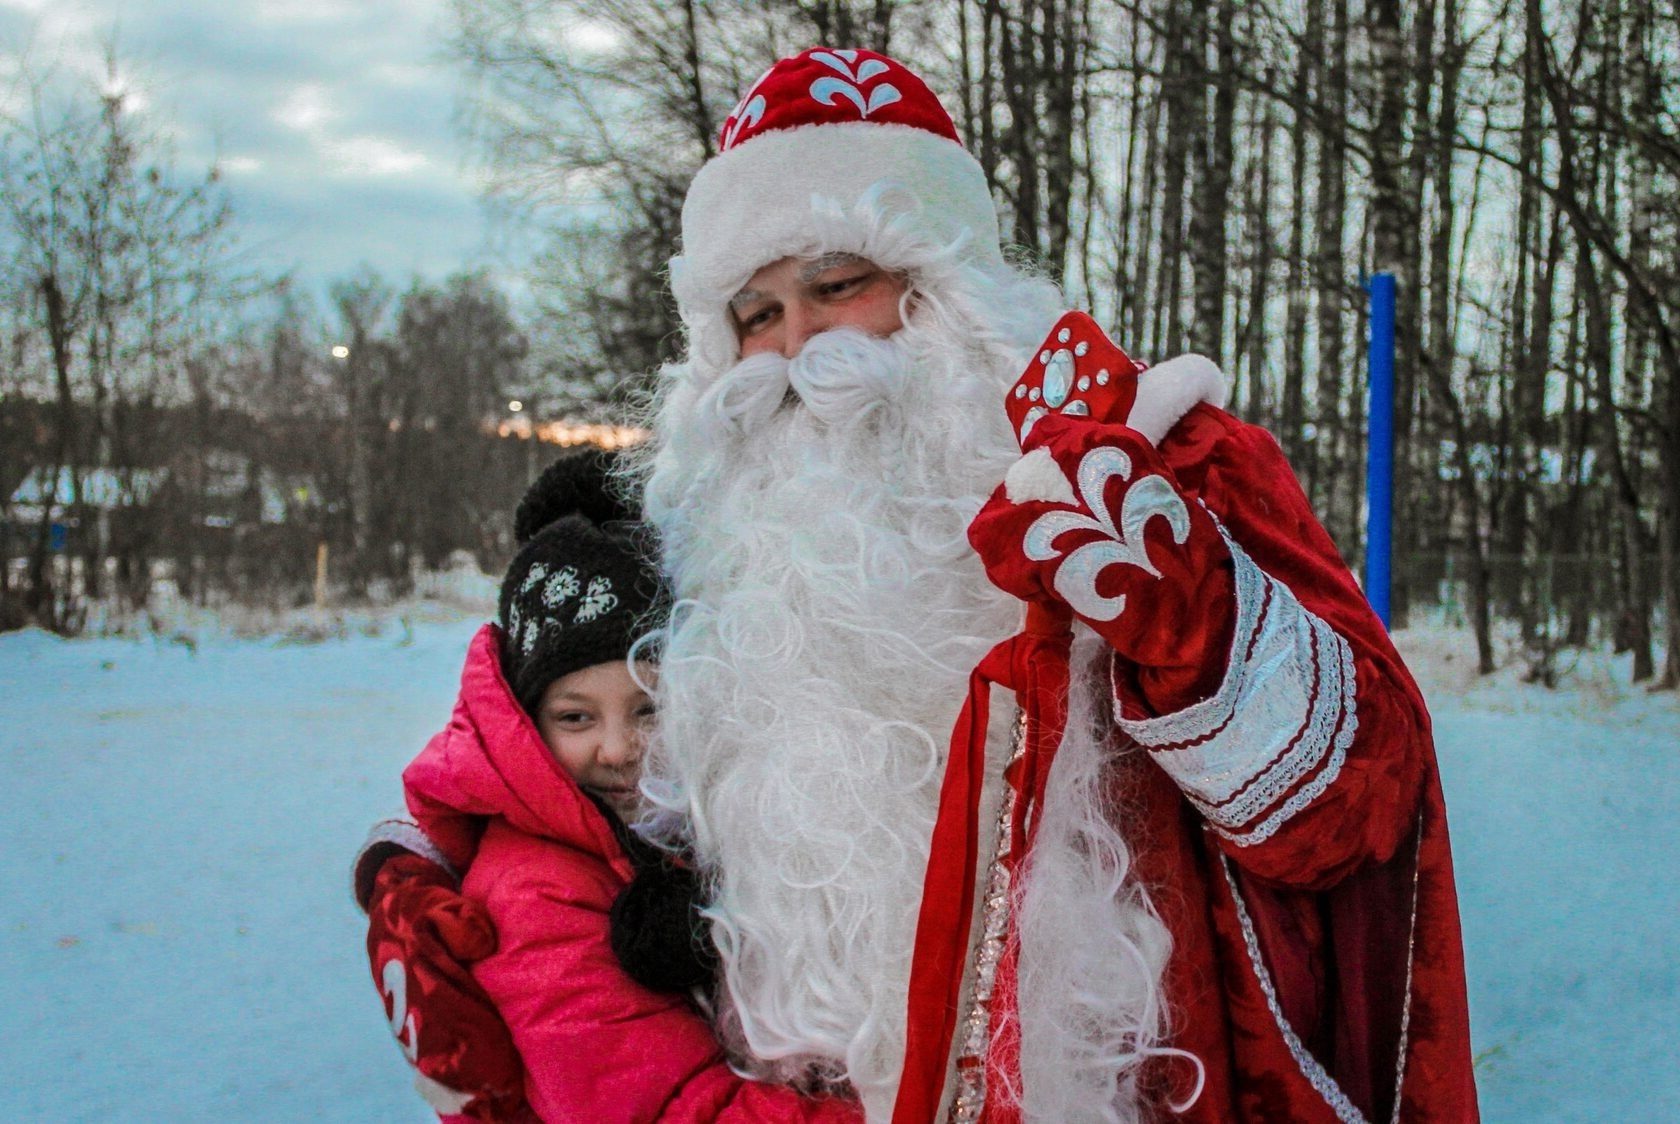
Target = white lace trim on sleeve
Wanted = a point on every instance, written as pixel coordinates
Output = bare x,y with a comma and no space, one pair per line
1285,709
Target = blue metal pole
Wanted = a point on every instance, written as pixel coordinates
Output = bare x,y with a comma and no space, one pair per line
1379,452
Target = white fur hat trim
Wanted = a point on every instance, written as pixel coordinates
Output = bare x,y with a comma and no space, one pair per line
753,204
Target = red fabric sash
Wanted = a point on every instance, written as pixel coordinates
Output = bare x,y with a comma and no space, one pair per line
1034,664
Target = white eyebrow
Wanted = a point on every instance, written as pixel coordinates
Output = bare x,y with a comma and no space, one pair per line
808,272
744,297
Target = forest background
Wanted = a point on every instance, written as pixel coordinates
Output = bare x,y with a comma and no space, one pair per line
1208,175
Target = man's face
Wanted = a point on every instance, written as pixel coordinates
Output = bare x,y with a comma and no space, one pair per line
792,299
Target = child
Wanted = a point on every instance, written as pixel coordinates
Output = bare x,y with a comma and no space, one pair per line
528,789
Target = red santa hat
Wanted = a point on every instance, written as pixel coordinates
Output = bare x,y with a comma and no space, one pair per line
825,129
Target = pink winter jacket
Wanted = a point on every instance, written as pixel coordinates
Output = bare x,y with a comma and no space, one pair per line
597,1046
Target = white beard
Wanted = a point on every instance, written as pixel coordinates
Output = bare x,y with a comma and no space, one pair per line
829,612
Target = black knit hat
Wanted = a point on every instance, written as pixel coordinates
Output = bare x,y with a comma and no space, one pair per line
584,584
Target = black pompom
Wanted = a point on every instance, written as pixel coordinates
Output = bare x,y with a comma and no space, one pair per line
658,935
582,483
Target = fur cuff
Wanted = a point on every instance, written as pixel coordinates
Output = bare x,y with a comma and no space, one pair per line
1169,390
385,839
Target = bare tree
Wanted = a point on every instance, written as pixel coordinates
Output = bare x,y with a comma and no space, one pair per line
592,118
114,263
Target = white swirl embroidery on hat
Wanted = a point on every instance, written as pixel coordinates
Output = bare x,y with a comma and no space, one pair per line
746,115
825,89
597,599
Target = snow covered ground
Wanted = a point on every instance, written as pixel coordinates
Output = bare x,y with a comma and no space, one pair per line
177,940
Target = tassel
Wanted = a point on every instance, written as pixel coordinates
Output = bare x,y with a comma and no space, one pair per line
1034,664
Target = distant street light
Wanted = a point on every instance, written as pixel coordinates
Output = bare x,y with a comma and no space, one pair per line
339,351
515,406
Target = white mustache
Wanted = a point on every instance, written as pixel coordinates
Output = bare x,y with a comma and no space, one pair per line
840,375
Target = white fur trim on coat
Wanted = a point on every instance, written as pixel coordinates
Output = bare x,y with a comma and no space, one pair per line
1037,476
1168,391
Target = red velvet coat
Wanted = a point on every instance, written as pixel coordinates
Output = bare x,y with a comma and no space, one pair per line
1318,969
1285,815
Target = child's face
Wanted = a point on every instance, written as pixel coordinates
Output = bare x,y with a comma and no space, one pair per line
595,721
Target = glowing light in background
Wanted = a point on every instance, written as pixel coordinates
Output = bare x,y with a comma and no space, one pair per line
567,434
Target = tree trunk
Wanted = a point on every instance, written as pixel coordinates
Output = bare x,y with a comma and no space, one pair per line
1133,232
45,602
1470,502
1254,340
1182,91
1339,502
705,129
1020,143
1291,407
1211,190
1059,63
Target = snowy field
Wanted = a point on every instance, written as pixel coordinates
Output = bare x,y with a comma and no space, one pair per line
177,940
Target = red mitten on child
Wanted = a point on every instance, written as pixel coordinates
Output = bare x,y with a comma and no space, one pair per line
1091,520
422,934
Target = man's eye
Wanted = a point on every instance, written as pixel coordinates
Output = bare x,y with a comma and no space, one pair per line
753,321
840,285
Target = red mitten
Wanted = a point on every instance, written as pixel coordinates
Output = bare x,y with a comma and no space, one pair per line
1077,372
1091,518
422,934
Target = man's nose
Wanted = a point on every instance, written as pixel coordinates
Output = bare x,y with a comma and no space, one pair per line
801,321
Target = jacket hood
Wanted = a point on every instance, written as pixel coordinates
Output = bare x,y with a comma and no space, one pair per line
490,761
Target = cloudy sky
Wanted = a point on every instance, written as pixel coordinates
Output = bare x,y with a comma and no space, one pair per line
332,119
